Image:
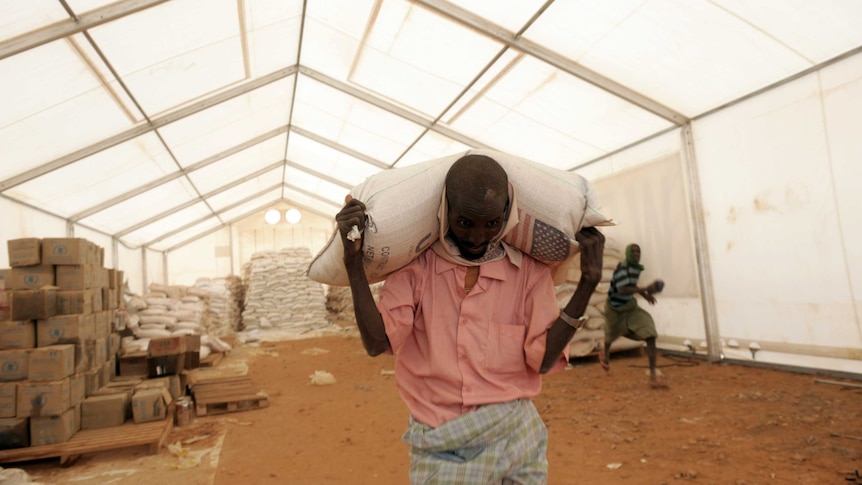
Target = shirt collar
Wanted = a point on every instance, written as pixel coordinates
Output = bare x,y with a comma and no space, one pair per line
492,269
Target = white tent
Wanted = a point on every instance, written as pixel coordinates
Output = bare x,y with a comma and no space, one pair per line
722,135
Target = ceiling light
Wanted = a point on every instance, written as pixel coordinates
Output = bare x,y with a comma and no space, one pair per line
272,216
293,216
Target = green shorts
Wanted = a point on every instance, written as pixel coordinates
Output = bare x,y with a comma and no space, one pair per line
628,321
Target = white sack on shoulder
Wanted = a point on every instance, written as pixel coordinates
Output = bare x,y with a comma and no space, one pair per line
402,206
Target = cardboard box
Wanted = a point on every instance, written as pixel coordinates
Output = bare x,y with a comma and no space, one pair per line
113,279
193,352
14,364
8,399
24,252
17,334
170,382
30,277
77,388
51,363
46,430
14,433
74,276
4,297
109,371
105,410
63,329
165,365
96,297
167,346
150,404
102,324
98,352
92,381
32,304
74,302
42,398
66,250
133,364
113,345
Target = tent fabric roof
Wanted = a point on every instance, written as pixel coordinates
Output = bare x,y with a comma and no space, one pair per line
154,121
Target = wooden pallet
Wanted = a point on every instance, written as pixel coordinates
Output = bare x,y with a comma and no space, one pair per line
153,435
227,395
212,360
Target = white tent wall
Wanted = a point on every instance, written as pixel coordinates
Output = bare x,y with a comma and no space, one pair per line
778,175
206,257
131,264
22,221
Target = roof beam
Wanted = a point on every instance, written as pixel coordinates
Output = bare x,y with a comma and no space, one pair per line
215,214
338,147
319,175
241,217
200,199
173,176
390,107
468,19
65,28
154,124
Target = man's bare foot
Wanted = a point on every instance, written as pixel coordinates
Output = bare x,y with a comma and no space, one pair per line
658,383
603,360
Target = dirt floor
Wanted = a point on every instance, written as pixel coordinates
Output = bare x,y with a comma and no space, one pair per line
716,424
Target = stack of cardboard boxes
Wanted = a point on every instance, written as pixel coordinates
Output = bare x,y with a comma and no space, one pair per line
59,342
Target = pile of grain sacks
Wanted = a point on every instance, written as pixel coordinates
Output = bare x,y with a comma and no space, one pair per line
280,296
168,311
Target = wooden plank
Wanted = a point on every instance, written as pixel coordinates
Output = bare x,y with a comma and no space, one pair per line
95,440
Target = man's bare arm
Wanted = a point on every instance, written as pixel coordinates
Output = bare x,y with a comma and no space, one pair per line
592,249
368,319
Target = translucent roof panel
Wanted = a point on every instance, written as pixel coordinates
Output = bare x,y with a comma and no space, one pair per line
322,189
230,123
509,14
99,177
53,104
333,34
324,159
248,186
351,122
239,165
695,55
432,145
22,16
141,207
418,58
193,231
170,222
273,34
249,206
175,52
303,200
538,112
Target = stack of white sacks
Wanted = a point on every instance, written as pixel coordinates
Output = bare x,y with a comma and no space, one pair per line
589,339
339,302
223,297
167,311
280,296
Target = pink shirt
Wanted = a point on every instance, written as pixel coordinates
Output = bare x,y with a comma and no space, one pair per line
457,350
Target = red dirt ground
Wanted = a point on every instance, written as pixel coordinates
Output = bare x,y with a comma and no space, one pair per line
716,424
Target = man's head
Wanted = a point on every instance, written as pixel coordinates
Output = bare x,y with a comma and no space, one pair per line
633,253
477,195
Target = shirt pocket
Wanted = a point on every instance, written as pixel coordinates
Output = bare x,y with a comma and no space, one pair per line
505,350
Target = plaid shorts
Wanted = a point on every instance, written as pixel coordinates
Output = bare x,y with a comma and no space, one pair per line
495,444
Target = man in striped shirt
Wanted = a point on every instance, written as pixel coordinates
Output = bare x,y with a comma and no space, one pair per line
623,316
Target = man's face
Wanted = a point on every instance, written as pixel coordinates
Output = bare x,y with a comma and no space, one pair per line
474,223
636,253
